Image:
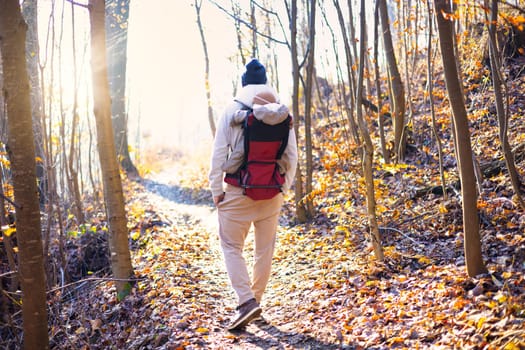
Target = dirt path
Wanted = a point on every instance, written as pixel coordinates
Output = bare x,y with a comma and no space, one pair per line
192,218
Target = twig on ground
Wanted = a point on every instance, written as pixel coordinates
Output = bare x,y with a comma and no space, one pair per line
400,232
93,279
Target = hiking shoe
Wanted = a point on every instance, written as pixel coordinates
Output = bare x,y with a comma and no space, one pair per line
245,313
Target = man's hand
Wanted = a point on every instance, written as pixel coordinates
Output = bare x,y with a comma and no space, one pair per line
218,199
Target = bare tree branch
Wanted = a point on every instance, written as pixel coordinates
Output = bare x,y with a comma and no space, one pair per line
78,4
273,13
94,279
8,274
520,9
248,24
9,201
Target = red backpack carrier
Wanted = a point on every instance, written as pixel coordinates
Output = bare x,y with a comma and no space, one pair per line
264,144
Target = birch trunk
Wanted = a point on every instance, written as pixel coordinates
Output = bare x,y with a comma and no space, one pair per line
113,194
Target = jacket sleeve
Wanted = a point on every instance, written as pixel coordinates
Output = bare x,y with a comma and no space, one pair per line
219,155
291,154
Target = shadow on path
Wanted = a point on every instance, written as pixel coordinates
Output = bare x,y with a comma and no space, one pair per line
269,336
178,194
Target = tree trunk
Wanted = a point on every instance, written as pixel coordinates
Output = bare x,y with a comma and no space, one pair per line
74,147
22,156
308,110
117,43
253,22
430,82
501,109
380,115
300,209
397,89
236,10
29,11
211,120
350,72
406,19
368,149
273,60
340,92
472,245
113,195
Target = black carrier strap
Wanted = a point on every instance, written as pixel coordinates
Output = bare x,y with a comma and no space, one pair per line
246,132
284,142
244,106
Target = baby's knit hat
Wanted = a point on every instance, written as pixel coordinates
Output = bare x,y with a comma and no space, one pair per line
255,73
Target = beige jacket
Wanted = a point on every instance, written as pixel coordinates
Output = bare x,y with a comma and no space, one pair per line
229,134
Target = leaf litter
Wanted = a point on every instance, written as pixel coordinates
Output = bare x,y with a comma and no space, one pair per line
326,291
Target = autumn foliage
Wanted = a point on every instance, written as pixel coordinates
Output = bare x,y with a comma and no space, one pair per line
327,290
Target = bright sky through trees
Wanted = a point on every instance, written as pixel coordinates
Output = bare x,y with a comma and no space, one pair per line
166,68
165,71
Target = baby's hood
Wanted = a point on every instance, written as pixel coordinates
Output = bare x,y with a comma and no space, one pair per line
271,113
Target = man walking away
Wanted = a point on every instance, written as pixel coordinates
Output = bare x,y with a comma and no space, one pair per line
237,211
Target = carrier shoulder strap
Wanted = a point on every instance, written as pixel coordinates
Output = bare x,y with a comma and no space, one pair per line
284,142
246,131
244,106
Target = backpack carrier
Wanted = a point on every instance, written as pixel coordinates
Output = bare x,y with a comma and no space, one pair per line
264,144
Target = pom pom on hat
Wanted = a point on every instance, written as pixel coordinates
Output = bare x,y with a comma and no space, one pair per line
255,73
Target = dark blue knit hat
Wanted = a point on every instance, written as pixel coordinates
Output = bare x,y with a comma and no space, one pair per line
255,73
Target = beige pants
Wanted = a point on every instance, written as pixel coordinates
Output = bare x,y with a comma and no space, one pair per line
236,214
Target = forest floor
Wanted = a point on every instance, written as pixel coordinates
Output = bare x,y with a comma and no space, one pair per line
326,291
